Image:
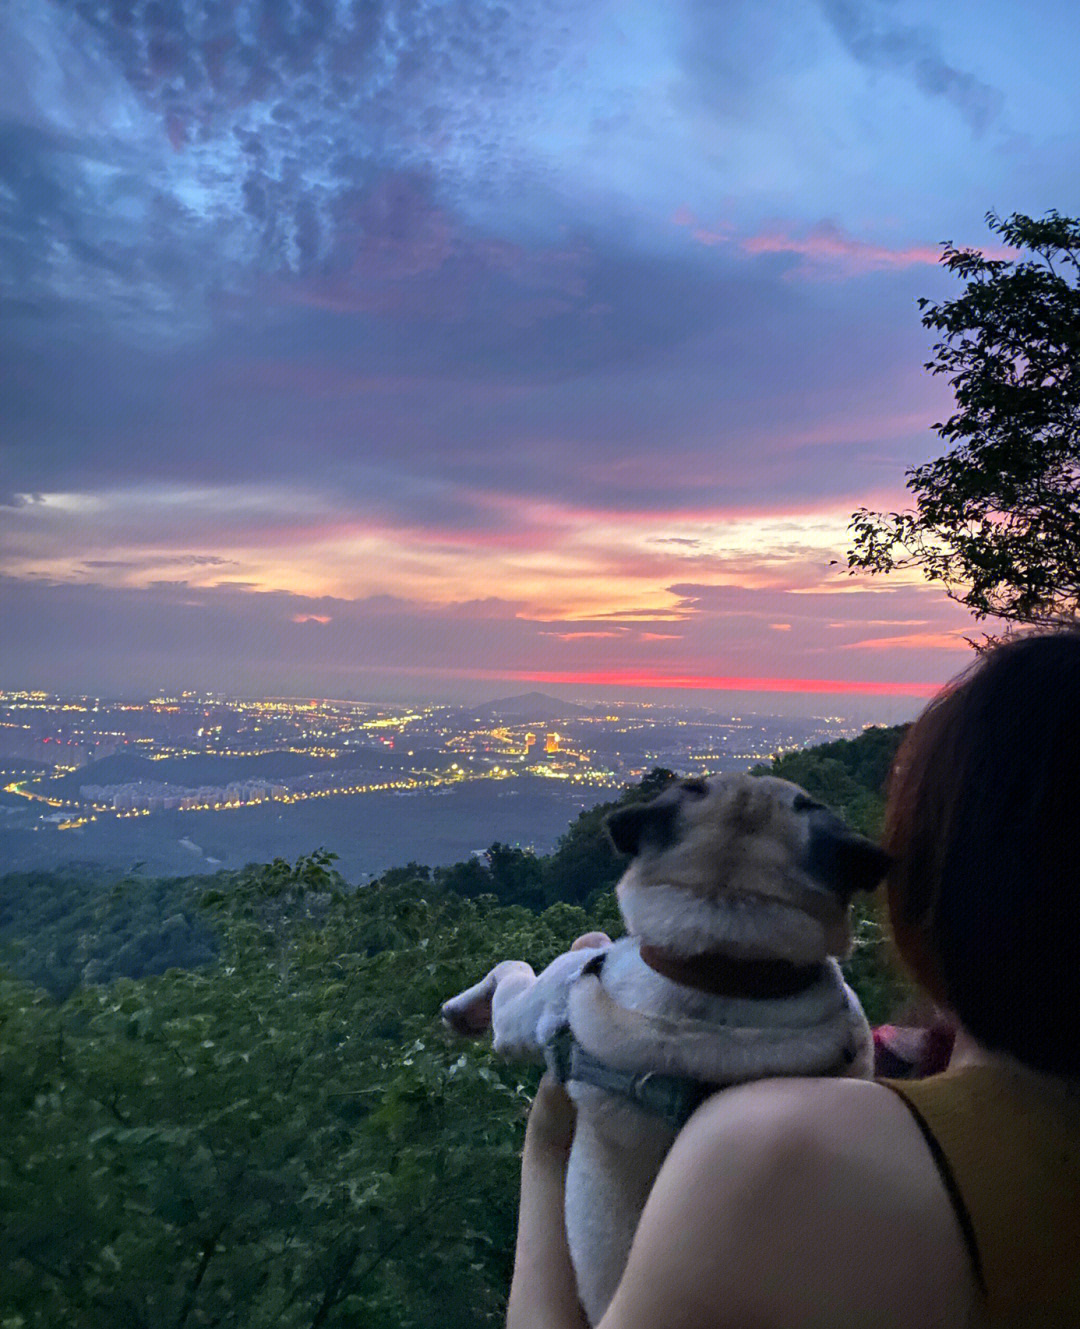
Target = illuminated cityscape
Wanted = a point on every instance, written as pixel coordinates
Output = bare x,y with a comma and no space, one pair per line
75,770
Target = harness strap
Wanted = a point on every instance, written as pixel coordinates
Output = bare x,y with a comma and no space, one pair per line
673,1098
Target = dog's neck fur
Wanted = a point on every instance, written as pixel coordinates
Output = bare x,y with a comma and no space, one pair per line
678,923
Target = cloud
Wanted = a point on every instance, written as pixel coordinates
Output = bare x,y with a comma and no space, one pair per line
913,641
581,636
828,245
681,541
160,560
236,639
563,559
874,39
824,246
167,150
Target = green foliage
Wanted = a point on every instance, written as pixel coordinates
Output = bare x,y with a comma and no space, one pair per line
513,875
289,1137
882,986
272,1142
76,926
848,775
996,520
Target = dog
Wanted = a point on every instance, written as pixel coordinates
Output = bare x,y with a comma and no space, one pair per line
736,902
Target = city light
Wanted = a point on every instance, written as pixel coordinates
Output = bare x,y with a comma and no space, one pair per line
71,762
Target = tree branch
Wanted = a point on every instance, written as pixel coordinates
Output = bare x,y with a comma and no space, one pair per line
208,1249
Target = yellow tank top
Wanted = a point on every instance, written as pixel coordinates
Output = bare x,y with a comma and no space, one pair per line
1009,1154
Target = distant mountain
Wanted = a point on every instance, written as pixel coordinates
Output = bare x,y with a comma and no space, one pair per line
529,706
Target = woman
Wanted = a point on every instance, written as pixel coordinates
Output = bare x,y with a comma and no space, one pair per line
950,1201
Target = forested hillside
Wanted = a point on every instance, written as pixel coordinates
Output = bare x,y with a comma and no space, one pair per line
228,1101
848,775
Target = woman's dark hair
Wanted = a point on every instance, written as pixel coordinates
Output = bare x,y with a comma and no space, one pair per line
983,826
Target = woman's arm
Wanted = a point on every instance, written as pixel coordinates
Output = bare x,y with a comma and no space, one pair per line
543,1294
784,1204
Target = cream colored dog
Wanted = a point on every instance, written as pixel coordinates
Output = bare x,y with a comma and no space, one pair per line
735,900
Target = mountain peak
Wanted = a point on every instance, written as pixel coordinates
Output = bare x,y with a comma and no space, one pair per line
529,706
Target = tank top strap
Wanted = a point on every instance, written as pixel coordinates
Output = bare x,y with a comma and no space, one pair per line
1009,1158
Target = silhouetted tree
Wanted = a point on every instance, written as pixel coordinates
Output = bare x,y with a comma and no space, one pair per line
996,520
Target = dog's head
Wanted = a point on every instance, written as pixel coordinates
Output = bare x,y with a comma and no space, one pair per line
750,864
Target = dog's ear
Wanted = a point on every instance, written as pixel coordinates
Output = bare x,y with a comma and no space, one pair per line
643,823
840,858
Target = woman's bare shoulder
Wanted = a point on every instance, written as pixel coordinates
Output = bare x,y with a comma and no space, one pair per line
807,1110
799,1201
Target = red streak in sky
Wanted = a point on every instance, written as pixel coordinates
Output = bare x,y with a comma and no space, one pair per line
631,679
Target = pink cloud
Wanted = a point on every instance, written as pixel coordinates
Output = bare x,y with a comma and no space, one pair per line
919,641
828,243
711,238
828,246
720,235
884,623
400,253
578,636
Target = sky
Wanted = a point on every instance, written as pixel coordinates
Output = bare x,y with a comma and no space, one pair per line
451,348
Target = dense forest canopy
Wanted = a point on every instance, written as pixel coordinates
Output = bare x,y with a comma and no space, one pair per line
228,1100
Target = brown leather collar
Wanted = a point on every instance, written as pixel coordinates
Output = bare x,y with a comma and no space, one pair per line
726,976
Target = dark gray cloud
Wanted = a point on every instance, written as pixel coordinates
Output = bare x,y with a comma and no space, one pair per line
160,152
182,560
871,33
241,240
682,384
475,346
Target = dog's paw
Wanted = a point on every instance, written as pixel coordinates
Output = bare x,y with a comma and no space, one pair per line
469,1019
590,940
